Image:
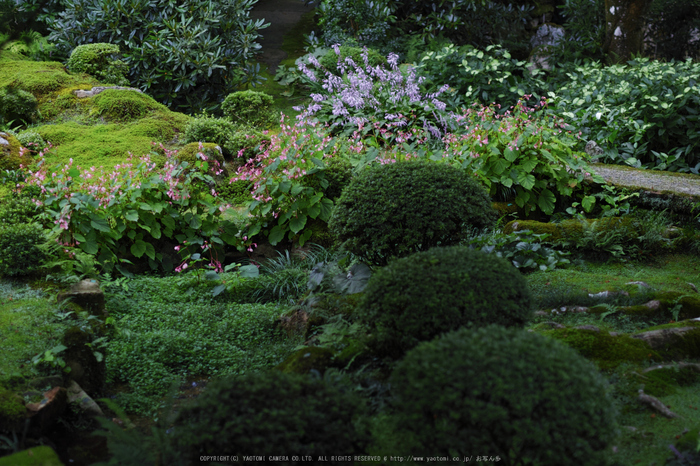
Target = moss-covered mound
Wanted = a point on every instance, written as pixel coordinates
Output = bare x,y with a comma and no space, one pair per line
125,105
12,411
604,349
9,152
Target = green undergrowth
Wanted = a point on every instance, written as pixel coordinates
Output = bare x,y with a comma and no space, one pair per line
29,324
170,329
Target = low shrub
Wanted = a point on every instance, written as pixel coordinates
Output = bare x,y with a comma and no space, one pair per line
21,210
210,153
393,210
643,113
269,413
17,105
418,297
250,108
206,128
246,142
101,61
32,140
503,392
20,251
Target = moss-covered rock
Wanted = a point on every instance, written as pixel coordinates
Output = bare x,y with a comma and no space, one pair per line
9,152
572,230
305,360
17,105
12,411
36,456
675,341
604,349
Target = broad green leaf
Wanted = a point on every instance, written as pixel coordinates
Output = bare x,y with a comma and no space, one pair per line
276,235
132,215
546,201
249,271
89,247
526,180
510,155
297,224
499,166
138,249
588,202
99,224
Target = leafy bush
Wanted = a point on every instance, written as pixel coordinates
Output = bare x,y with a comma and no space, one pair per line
523,249
20,251
250,108
418,297
124,215
32,140
206,128
393,210
361,21
585,31
101,61
207,44
643,114
21,210
209,152
526,155
269,413
17,105
247,142
505,392
486,76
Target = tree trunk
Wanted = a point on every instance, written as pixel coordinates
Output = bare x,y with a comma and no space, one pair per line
624,28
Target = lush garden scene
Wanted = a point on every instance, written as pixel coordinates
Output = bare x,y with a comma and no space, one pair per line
446,231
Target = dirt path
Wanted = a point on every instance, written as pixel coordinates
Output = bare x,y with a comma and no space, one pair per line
282,15
684,184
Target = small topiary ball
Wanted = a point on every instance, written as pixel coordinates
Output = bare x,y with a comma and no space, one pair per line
417,298
268,413
503,392
251,108
207,128
396,209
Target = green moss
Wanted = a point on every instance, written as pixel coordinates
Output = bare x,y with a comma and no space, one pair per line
36,456
307,359
12,411
125,105
9,154
40,78
602,348
573,230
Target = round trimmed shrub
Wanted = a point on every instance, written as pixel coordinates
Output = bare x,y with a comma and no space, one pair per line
503,392
396,209
268,413
100,60
417,298
207,128
250,107
189,154
245,141
17,105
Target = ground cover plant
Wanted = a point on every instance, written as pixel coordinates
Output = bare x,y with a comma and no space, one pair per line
232,305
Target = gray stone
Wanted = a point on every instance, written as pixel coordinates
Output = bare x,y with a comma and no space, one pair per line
80,399
86,294
81,93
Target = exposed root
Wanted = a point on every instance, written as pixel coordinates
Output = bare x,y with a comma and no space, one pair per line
656,404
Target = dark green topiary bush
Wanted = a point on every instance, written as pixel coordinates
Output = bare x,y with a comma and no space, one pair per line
20,254
503,392
251,108
396,209
419,297
269,413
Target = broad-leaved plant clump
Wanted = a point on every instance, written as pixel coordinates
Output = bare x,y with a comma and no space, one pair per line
643,114
394,209
126,214
421,296
269,413
509,393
